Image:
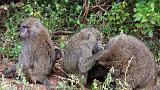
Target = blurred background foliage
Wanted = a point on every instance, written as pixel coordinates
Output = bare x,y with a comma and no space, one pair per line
63,18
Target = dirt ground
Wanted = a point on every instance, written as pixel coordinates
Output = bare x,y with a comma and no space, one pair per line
52,77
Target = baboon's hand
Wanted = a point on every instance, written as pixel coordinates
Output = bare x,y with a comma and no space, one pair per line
9,72
48,85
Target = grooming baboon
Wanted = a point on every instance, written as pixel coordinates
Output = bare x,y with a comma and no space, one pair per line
78,51
132,59
37,55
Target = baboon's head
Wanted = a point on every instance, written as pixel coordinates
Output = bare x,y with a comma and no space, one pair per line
93,38
30,27
58,53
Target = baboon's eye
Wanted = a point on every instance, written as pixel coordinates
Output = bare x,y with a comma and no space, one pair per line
25,27
38,24
87,35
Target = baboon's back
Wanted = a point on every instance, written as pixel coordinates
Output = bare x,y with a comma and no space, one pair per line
133,59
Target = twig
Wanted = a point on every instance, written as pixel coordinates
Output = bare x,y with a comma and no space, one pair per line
100,8
63,71
62,32
129,63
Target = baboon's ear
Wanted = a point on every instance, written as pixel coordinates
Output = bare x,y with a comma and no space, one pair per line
58,53
86,34
38,24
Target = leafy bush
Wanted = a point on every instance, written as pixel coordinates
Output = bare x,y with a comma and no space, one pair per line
116,17
135,17
146,17
58,15
11,46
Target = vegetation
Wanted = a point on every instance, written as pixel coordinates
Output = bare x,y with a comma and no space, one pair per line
135,17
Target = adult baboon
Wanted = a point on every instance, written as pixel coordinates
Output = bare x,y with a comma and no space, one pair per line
132,60
37,54
78,51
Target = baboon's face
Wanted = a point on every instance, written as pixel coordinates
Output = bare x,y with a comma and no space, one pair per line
98,47
92,36
58,53
24,32
30,28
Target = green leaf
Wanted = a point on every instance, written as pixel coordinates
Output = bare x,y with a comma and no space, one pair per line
61,84
144,19
66,1
152,22
117,17
62,44
126,14
78,22
137,19
78,8
135,10
152,6
150,34
138,15
139,25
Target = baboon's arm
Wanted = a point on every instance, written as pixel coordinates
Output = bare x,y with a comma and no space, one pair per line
89,62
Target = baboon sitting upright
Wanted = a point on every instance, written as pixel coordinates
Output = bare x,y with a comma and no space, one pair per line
37,54
132,59
78,51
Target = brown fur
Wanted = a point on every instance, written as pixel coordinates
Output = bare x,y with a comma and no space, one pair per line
132,58
3,16
80,47
97,72
37,55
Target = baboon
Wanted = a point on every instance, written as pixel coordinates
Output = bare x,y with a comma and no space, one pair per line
80,48
132,60
37,54
97,72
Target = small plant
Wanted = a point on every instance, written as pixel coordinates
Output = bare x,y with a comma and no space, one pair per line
146,17
21,81
70,83
11,46
107,84
20,75
5,85
116,17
